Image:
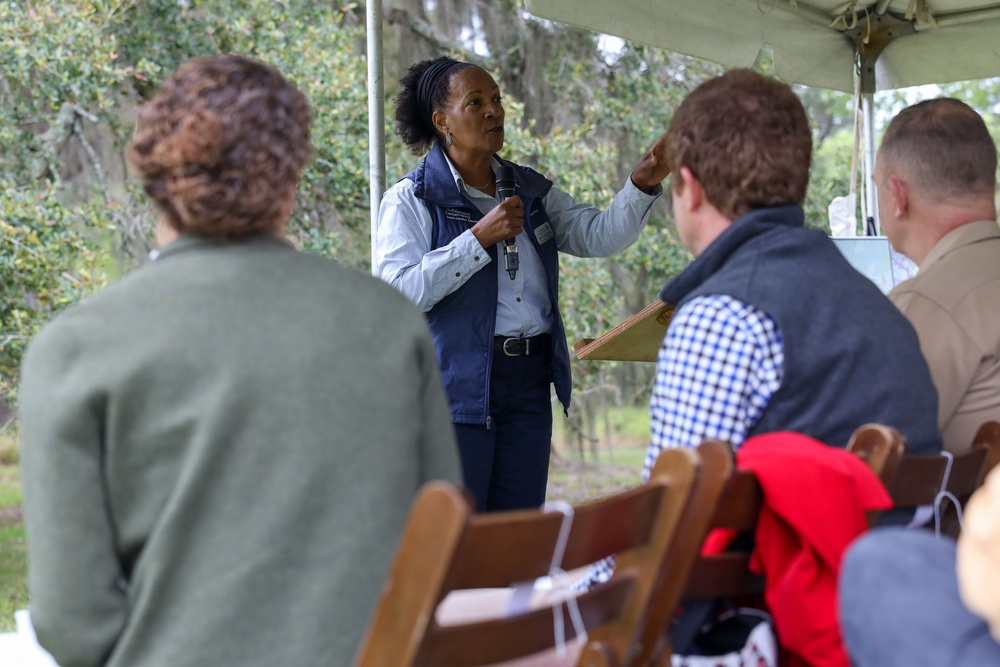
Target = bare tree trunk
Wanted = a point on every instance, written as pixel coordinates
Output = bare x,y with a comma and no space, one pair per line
496,34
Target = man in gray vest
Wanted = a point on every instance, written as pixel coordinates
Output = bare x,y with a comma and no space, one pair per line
773,329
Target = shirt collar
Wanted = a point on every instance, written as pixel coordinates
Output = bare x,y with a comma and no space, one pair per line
963,235
462,185
188,242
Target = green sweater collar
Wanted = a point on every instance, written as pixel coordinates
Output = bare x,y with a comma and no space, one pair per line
191,242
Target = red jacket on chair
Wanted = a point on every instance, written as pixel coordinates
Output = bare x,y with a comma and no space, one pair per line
815,499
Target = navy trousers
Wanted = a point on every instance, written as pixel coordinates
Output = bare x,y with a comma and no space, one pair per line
506,463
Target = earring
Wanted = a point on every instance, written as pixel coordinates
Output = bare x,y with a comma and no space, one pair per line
447,140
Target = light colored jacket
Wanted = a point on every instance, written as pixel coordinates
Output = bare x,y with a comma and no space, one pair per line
954,304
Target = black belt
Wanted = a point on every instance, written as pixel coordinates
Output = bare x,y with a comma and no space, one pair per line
516,346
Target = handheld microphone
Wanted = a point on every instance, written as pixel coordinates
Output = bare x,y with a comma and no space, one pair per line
505,190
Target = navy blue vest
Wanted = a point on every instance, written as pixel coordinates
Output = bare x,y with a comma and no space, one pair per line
464,322
850,356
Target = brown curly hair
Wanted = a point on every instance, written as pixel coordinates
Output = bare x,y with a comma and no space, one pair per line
220,146
746,138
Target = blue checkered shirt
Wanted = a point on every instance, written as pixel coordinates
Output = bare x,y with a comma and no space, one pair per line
719,365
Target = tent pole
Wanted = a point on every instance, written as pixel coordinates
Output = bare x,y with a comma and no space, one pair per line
376,116
867,55
868,120
870,38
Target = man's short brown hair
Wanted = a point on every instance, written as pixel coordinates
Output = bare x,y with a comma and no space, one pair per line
944,146
220,144
746,138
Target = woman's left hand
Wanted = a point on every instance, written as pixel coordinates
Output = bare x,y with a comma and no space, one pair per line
653,166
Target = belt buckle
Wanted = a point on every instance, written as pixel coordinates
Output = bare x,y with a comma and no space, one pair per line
507,352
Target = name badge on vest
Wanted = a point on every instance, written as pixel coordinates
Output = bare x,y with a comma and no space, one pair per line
544,233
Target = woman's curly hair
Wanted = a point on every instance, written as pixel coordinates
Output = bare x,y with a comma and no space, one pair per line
411,125
220,145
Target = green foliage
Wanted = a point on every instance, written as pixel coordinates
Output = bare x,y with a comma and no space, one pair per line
57,61
653,81
830,177
983,96
60,69
315,46
588,162
334,207
71,66
45,265
830,112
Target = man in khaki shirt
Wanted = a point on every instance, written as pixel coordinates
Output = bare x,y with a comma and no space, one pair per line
936,178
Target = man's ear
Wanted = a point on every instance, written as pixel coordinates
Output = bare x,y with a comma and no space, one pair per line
691,192
900,196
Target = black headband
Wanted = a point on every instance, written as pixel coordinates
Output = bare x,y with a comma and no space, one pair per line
425,86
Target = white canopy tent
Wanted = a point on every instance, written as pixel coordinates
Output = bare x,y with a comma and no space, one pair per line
882,44
815,42
853,46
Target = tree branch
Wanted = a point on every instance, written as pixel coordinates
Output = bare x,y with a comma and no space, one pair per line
92,155
437,38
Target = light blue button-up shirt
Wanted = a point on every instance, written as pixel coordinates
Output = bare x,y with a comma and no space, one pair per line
405,260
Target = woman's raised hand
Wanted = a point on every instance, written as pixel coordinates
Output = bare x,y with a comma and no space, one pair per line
653,167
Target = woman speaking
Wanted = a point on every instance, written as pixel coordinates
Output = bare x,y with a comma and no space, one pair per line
446,238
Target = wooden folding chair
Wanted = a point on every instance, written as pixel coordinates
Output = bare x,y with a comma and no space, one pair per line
918,479
988,436
881,447
727,574
717,465
446,547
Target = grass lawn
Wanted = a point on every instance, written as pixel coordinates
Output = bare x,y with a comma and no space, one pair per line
617,429
613,461
13,550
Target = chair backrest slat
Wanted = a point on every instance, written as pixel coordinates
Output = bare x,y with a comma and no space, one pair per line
479,563
881,447
499,640
723,575
605,528
596,530
988,436
919,478
726,574
740,502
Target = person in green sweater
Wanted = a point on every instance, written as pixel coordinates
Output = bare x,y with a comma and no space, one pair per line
220,450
